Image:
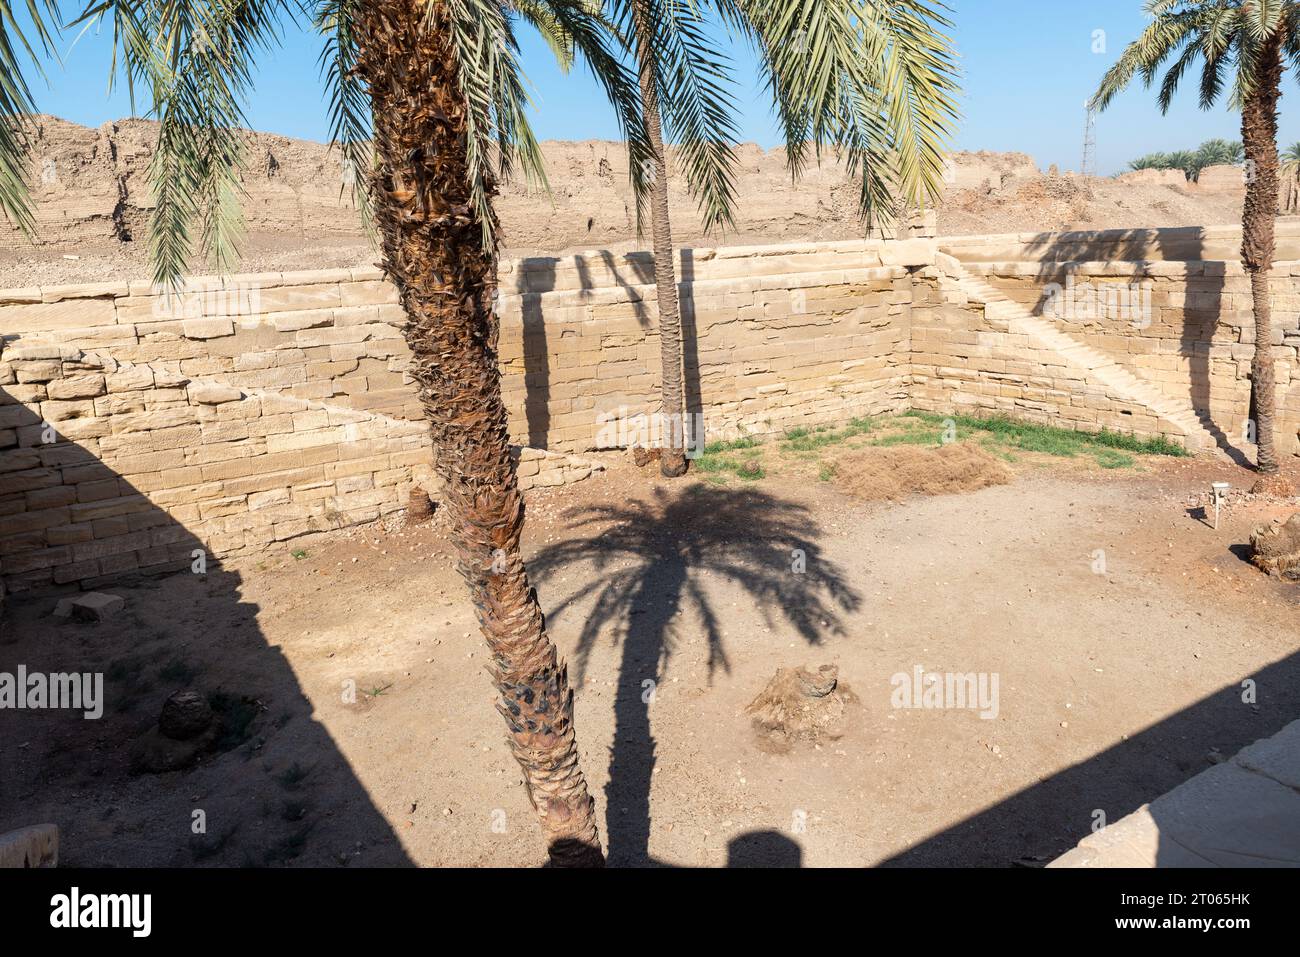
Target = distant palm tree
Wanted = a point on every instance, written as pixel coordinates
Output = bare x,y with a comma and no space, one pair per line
1250,42
1289,173
871,79
1218,153
1192,162
1184,160
1151,161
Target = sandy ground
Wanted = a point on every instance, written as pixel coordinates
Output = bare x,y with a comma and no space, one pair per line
1115,684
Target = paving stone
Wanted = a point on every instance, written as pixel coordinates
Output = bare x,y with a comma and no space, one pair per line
92,606
1277,757
36,846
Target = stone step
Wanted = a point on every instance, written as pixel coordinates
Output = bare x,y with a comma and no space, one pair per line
1130,387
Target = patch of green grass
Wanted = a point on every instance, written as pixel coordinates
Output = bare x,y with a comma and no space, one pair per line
990,444
735,445
741,457
810,440
827,472
1111,459
1030,437
913,437
299,553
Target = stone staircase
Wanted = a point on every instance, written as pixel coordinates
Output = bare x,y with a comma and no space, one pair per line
1121,383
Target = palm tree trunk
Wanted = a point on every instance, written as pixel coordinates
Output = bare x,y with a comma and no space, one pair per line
435,253
672,462
1259,137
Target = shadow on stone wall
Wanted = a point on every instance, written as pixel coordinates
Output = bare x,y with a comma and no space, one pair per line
1196,337
631,273
272,786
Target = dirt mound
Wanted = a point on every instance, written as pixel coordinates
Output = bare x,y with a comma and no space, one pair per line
896,472
1276,548
799,705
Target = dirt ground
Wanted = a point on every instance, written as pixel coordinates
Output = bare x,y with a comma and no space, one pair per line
1119,624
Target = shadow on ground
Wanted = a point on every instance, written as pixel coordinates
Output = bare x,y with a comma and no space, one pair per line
1044,821
648,561
273,789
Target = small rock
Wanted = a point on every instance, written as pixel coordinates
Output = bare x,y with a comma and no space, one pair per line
92,606
185,715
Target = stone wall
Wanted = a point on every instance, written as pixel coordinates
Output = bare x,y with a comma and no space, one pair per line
775,336
1187,328
1178,244
136,429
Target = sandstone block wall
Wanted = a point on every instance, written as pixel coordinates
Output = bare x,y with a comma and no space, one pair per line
1177,244
774,336
1185,327
136,429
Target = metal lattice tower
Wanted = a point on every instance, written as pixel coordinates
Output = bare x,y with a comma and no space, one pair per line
1089,165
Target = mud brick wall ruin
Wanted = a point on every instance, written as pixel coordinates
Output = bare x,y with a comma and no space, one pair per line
254,409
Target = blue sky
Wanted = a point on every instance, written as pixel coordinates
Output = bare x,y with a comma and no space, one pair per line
1027,65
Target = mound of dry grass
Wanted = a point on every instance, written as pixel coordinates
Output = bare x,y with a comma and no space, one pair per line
898,471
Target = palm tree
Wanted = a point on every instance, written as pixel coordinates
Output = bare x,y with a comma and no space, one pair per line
1151,161
1289,196
700,112
1249,42
1218,152
870,78
429,109
1184,160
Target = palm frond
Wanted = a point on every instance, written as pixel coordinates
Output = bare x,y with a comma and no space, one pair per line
1166,33
349,102
544,19
488,73
196,59
692,86
873,79
600,43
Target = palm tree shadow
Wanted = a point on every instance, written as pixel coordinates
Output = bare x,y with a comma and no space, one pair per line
651,561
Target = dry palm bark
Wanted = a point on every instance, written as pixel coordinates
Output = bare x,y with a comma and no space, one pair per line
1259,137
435,253
672,463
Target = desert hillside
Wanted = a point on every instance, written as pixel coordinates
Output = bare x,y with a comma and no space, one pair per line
93,203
